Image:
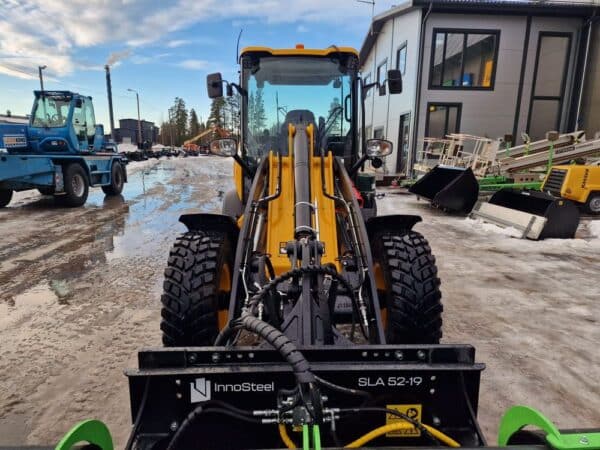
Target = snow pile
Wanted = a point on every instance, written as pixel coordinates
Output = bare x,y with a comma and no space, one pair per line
127,148
480,225
594,228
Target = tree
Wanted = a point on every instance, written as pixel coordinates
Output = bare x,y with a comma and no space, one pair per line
194,124
178,118
233,109
257,117
217,113
335,117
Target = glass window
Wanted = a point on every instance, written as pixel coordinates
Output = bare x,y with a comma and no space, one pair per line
90,121
544,118
442,119
382,72
553,53
367,80
284,89
51,112
378,133
401,59
464,59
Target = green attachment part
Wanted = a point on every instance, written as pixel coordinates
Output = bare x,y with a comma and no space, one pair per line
519,417
91,431
316,435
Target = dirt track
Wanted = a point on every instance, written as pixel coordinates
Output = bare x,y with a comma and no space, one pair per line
80,294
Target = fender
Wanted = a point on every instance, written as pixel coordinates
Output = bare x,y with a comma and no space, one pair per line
393,223
212,223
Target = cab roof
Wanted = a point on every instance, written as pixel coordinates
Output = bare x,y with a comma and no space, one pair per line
299,50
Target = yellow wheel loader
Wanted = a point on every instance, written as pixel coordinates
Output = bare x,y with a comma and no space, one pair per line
290,320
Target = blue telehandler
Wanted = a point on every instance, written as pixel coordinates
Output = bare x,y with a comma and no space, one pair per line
61,152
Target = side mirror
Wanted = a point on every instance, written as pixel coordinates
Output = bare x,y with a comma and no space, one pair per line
394,79
382,89
378,148
78,103
224,147
214,85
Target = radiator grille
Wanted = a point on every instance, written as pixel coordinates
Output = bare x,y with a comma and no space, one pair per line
555,181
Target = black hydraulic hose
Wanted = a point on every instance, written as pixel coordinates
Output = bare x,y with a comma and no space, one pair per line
472,415
138,417
263,201
196,413
342,389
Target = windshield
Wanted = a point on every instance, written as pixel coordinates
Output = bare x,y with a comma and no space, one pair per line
50,112
289,89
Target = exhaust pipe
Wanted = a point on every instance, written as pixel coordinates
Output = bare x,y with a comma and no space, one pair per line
110,105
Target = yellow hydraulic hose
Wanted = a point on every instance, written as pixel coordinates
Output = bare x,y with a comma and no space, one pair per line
285,437
400,426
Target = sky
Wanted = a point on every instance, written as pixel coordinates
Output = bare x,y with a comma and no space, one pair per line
161,48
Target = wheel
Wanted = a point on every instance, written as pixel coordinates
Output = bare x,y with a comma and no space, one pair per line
196,289
117,180
46,190
77,186
5,197
412,295
593,203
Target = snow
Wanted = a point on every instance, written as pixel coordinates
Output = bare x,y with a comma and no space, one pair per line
594,228
480,225
127,148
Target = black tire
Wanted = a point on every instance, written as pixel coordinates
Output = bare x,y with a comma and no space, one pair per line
593,203
5,197
46,190
77,186
191,289
117,180
413,296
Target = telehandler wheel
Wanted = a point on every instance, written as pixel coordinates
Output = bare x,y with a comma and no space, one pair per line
412,295
5,197
196,289
593,203
117,180
77,186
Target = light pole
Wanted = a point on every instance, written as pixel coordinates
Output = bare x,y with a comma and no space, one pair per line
137,97
40,68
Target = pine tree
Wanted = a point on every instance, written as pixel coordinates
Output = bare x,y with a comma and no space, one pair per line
216,111
336,117
194,124
233,106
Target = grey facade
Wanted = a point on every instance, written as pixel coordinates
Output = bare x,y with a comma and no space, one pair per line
487,68
128,131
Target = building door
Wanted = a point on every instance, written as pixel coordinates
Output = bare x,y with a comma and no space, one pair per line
403,141
551,65
442,119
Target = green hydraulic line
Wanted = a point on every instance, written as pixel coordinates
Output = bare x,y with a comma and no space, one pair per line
317,437
519,417
305,438
91,431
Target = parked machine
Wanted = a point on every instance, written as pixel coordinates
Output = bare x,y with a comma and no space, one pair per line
289,320
61,152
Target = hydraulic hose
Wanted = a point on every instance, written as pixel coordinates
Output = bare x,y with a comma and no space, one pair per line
400,426
285,437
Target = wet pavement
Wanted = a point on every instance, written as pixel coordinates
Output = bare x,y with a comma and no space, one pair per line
80,293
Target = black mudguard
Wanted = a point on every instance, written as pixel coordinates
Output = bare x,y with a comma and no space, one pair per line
394,223
212,223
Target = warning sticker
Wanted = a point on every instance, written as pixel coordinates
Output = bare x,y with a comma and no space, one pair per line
412,412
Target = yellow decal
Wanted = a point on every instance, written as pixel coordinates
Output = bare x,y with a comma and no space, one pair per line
413,412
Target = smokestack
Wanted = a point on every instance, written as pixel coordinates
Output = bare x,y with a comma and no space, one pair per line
110,105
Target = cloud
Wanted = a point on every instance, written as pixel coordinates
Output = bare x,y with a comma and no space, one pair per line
193,64
148,59
115,57
53,32
178,43
302,29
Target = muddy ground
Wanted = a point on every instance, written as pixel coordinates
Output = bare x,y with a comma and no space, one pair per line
79,294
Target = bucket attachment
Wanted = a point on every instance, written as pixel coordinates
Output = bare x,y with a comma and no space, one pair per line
536,214
448,188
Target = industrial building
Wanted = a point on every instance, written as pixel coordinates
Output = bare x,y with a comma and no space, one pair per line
128,131
486,68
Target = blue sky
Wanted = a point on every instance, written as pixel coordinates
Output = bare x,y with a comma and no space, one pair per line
163,49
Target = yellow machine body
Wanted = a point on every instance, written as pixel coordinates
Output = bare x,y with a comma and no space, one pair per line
574,182
280,218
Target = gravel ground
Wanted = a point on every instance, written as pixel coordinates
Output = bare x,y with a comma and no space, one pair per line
80,290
